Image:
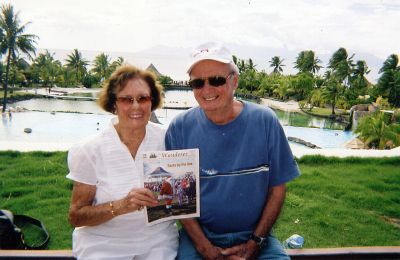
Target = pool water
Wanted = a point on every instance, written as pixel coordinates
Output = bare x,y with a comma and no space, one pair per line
72,127
87,118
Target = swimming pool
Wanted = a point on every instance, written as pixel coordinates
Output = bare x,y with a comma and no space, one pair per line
56,127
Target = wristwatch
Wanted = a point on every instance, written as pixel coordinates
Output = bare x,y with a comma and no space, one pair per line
260,241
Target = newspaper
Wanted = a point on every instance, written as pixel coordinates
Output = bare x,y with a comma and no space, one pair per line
173,176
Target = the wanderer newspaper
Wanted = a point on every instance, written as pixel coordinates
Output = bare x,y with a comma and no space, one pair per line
173,176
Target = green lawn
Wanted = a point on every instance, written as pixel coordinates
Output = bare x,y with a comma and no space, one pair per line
334,203
325,111
344,202
34,184
17,95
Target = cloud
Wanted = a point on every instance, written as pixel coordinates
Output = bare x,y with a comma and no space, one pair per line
362,26
132,25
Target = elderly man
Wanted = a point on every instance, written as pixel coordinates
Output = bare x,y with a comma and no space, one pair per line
245,161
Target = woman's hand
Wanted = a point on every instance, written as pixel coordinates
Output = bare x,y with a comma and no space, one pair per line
136,199
83,213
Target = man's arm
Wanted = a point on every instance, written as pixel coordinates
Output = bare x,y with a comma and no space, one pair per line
272,208
200,241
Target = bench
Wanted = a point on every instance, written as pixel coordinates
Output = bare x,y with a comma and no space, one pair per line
367,253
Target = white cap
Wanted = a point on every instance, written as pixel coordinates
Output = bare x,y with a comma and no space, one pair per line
211,51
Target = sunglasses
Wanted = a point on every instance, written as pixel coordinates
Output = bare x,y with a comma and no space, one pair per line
214,81
130,100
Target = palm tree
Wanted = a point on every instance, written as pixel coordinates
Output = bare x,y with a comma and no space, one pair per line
77,63
314,62
115,64
243,65
102,66
2,70
48,68
276,63
281,91
359,82
13,40
119,61
54,69
165,80
251,65
316,98
389,82
374,131
341,65
306,61
302,85
16,75
332,91
67,76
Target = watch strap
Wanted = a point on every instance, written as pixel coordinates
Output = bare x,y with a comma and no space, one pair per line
260,241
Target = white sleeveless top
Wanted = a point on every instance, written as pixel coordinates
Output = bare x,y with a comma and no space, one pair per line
106,162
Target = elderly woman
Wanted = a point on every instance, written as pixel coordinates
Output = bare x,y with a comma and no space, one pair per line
107,197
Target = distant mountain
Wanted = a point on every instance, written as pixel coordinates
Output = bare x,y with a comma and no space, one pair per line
172,61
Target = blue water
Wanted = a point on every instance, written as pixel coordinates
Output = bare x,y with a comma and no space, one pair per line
46,127
323,138
72,127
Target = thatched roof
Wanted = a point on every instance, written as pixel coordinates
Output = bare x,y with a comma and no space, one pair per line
153,69
355,144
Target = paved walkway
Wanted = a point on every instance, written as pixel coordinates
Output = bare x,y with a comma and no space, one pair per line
290,106
58,90
297,150
341,152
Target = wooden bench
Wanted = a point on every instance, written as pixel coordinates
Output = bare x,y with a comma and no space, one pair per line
390,252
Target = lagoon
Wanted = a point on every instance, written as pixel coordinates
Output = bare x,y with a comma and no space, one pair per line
60,127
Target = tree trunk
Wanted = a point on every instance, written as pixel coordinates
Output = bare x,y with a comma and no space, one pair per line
6,81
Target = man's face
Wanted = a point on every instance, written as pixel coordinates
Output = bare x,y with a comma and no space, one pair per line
210,98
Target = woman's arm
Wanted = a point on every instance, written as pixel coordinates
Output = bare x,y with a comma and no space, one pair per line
83,213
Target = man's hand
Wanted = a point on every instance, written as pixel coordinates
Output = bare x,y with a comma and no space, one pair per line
248,250
211,252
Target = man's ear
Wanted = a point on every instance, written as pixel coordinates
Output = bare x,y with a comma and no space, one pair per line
235,80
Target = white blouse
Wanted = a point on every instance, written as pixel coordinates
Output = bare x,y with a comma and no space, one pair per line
106,162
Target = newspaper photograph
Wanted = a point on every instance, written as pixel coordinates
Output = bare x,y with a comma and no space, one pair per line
173,176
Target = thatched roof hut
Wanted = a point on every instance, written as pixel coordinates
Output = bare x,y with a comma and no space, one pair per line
355,144
153,69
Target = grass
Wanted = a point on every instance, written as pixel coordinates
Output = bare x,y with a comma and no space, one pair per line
334,203
344,202
16,96
326,111
34,184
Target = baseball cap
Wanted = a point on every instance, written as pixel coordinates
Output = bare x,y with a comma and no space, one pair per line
211,51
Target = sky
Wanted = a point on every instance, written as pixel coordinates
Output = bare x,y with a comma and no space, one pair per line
257,29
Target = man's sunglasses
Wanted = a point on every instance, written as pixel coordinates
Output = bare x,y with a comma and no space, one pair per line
214,81
130,100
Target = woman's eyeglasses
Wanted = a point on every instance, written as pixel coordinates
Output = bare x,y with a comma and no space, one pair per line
130,100
214,81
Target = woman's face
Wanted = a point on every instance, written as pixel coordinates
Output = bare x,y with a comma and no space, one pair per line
133,105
